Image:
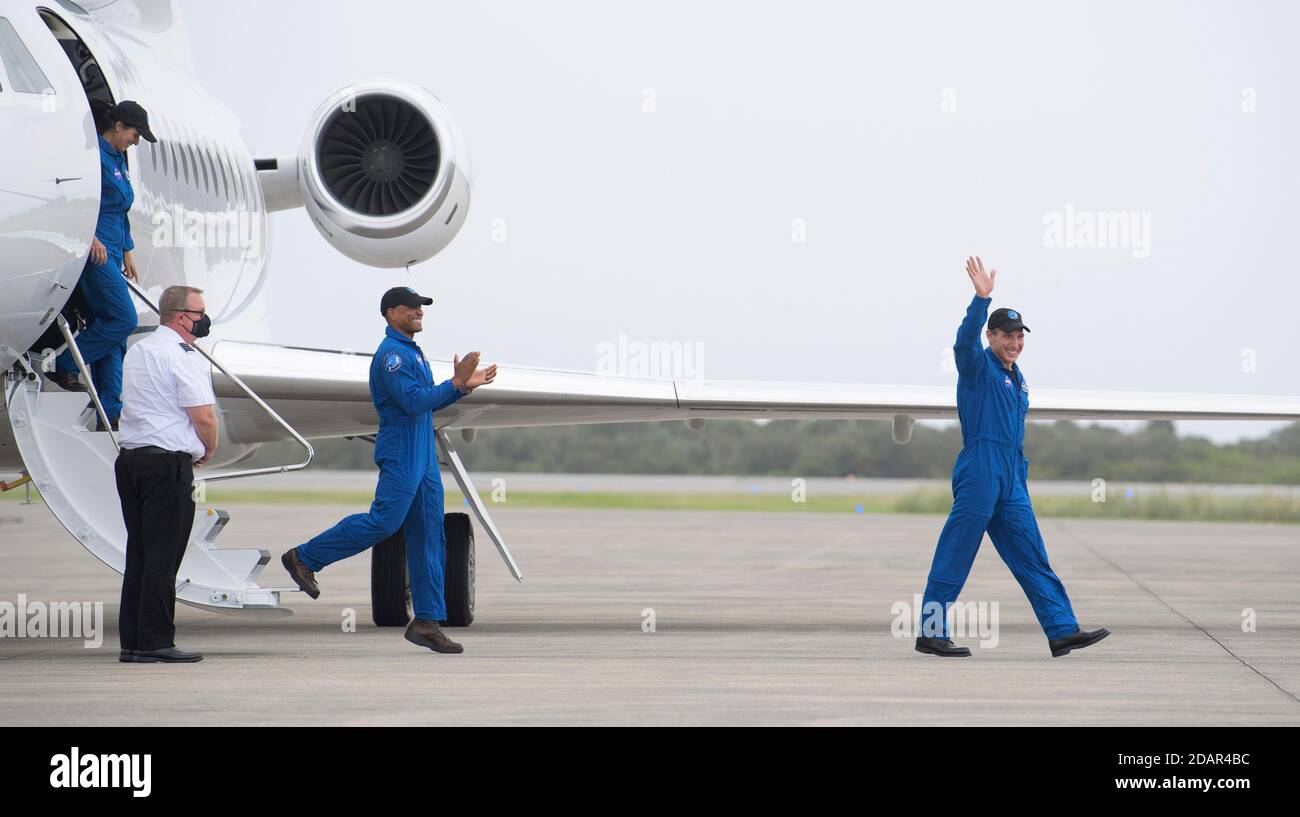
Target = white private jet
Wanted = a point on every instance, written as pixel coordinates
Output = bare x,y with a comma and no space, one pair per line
382,173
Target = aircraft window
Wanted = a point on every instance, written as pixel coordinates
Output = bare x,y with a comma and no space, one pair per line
203,165
25,76
246,187
225,179
217,169
212,168
212,164
194,162
239,186
234,182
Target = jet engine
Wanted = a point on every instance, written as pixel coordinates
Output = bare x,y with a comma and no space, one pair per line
384,174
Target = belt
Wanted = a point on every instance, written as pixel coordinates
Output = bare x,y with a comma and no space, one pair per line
153,449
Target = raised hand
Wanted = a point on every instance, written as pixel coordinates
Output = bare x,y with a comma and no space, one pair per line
983,281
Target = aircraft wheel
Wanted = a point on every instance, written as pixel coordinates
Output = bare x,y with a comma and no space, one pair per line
390,592
459,583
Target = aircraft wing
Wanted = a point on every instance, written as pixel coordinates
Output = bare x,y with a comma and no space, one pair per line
325,393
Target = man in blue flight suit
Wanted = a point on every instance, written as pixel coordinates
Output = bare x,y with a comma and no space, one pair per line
409,493
989,484
112,316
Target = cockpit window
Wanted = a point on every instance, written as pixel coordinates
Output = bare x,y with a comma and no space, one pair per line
25,76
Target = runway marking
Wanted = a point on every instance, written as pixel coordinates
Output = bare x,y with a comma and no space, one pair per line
1174,610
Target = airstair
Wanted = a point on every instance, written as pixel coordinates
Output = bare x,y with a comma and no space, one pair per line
72,465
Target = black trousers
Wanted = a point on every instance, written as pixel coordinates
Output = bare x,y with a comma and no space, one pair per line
158,507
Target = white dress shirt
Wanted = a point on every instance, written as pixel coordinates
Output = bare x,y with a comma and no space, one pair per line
162,376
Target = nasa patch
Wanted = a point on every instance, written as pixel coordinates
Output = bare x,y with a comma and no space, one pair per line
1013,314
1024,387
393,362
1006,381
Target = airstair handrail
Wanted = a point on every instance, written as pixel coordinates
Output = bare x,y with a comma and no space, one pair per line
250,472
89,381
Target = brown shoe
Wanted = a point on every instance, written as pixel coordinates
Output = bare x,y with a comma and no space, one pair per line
66,380
429,634
304,578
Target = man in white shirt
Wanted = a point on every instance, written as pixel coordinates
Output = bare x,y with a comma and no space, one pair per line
167,428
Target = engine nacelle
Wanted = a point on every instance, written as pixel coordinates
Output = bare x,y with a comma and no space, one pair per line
384,173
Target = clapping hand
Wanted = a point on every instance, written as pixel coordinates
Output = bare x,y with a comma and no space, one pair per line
467,375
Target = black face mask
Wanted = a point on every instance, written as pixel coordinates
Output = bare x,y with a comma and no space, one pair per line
201,327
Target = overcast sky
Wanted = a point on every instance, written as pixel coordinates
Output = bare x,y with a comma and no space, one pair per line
656,165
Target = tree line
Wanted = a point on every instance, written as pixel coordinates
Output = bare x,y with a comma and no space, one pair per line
1063,450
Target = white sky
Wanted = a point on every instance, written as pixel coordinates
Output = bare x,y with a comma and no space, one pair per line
676,225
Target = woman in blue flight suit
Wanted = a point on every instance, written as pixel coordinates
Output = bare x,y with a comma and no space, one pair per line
111,314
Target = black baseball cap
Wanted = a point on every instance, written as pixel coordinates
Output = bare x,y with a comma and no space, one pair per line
131,113
401,296
1008,320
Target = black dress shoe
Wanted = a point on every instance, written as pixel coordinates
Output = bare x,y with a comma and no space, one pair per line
167,655
940,646
1076,640
66,380
127,656
304,578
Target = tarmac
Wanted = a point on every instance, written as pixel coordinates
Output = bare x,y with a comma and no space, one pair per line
758,618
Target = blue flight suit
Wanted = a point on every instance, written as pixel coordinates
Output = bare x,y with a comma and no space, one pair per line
409,493
989,489
112,317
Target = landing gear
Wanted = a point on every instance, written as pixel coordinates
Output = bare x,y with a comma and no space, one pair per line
390,591
459,586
